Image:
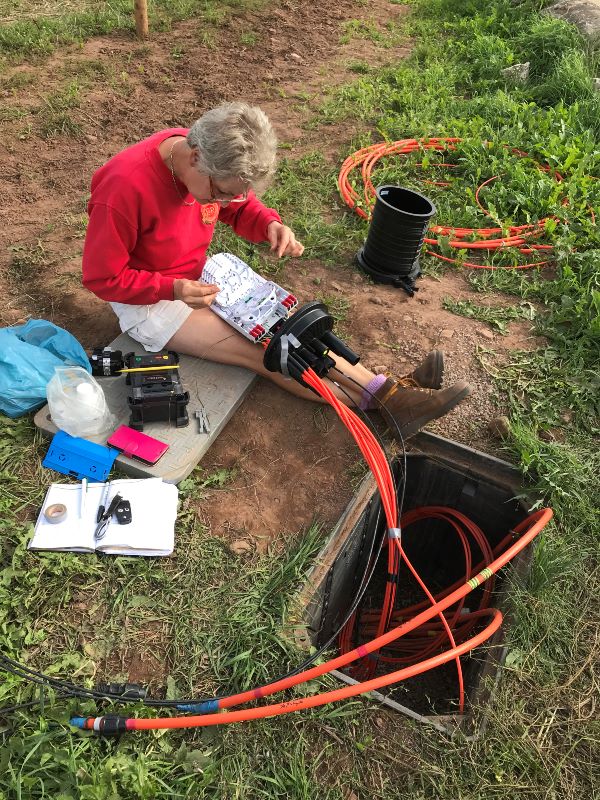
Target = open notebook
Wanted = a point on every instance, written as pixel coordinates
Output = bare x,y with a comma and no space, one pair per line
151,531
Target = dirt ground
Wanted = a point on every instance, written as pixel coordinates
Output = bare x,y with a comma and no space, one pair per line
292,461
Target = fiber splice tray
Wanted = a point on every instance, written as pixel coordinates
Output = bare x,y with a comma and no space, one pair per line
79,458
252,305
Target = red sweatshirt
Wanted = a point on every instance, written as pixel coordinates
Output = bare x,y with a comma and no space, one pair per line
141,236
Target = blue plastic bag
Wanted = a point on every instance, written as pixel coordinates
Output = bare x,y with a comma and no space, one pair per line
28,355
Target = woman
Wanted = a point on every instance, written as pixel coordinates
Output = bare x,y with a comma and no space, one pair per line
152,213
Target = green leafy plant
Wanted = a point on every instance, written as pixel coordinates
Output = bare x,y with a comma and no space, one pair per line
497,317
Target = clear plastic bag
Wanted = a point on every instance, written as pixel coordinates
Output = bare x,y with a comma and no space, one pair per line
77,403
28,355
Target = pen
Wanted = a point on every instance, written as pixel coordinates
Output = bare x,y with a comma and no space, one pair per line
147,369
102,505
104,521
83,498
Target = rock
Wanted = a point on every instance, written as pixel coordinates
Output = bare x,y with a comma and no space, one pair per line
380,369
336,286
597,84
584,14
422,300
241,547
356,278
447,333
499,426
407,318
486,333
296,57
376,300
518,73
547,436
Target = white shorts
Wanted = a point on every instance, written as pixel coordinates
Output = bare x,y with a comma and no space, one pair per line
154,325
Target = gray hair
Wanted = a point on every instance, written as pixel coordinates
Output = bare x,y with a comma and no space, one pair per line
235,140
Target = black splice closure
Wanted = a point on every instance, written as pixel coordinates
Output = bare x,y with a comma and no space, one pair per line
304,341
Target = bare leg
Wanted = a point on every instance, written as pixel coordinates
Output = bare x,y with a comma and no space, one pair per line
205,335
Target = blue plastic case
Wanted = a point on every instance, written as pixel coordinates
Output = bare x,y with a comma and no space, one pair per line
79,458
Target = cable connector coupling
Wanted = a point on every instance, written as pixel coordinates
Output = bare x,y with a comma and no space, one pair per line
110,725
207,707
129,691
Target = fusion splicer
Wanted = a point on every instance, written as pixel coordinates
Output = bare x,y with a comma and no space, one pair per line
252,305
156,393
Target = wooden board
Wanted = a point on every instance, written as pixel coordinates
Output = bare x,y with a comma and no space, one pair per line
220,389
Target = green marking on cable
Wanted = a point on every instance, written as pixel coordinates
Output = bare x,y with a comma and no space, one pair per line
474,582
486,574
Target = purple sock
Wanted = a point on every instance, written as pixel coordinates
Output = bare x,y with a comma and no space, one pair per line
366,401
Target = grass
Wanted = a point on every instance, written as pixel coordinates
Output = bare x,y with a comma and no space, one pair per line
37,34
206,619
56,112
338,307
359,29
249,39
302,188
26,261
497,317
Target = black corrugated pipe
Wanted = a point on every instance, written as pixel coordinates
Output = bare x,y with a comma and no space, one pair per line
391,251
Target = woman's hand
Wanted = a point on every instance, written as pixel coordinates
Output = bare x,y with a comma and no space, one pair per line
194,293
282,240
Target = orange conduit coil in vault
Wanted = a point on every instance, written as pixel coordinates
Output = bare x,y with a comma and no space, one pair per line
387,627
474,240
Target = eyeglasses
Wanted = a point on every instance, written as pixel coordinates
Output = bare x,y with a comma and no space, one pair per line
238,198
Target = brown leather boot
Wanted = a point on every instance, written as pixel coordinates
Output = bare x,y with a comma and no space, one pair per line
429,373
410,408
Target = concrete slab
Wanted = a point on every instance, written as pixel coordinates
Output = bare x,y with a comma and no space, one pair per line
217,388
584,14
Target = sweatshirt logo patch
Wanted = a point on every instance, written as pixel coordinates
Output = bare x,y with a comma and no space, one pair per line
209,213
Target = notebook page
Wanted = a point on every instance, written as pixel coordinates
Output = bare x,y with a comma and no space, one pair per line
151,531
74,533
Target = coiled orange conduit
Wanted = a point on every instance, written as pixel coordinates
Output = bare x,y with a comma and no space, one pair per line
473,239
525,532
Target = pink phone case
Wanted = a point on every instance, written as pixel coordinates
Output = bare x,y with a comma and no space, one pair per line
137,445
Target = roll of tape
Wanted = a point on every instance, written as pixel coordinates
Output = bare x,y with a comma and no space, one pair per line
57,512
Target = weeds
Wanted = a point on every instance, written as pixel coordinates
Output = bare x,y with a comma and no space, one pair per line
497,317
26,262
249,39
338,306
359,29
55,114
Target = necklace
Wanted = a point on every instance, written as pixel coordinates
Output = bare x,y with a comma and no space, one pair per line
181,197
